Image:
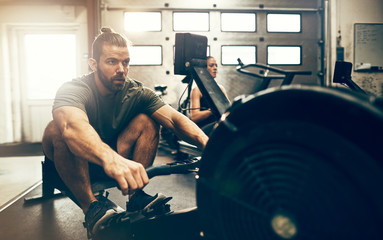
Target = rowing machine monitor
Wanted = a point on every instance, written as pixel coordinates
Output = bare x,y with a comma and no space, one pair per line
188,46
190,60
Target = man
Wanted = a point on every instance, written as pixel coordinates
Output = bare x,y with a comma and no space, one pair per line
105,123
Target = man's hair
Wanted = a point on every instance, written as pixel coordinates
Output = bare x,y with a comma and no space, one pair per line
108,36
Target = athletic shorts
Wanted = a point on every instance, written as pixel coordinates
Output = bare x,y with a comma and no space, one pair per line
96,172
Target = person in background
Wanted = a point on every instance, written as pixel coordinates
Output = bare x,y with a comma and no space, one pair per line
106,126
200,112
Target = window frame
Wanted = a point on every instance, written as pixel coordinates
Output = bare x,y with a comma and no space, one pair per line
273,45
149,64
232,64
187,30
160,12
30,94
228,31
284,13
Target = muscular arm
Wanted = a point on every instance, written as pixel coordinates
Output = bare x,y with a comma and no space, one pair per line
81,138
84,142
182,126
197,114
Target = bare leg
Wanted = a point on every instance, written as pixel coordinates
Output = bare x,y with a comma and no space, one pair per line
73,171
139,140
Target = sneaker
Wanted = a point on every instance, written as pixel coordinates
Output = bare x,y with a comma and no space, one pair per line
98,212
143,201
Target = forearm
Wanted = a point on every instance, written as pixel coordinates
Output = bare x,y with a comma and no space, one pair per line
197,113
81,138
182,126
197,116
190,132
84,142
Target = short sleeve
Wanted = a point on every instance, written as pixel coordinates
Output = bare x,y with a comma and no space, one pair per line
74,93
153,102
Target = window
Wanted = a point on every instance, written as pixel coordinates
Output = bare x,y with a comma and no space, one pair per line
238,22
284,23
284,55
145,55
191,21
142,21
50,60
230,54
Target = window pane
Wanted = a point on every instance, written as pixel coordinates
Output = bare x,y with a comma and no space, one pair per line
284,55
142,21
190,21
50,61
283,22
238,22
145,55
230,54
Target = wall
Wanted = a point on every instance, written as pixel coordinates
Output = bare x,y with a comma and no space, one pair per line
5,97
349,12
16,17
343,15
113,12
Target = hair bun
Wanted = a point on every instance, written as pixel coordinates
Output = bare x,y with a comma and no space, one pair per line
106,30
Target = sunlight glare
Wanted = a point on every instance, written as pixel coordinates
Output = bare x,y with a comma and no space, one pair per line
142,21
50,61
283,22
191,21
284,55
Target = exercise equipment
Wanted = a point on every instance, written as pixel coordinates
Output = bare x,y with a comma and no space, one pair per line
297,162
268,73
52,181
294,162
159,219
342,75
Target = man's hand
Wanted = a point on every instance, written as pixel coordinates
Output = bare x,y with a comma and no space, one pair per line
129,175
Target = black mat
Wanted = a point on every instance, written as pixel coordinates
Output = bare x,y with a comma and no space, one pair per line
60,218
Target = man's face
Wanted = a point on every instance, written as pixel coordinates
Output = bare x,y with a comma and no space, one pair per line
212,67
113,66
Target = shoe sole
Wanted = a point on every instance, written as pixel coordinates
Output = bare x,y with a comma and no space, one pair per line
108,214
159,198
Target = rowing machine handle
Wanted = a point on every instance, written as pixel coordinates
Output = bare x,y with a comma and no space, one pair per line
174,168
153,171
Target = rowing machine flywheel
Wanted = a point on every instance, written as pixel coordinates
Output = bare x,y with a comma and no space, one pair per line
294,163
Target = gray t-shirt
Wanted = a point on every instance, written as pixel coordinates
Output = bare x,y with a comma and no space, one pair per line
108,116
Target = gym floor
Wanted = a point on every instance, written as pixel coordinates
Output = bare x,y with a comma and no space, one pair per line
60,218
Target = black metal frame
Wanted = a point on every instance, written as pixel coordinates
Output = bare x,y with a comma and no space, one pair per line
209,88
286,75
342,75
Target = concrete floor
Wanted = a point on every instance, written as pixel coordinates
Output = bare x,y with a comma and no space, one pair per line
60,218
17,174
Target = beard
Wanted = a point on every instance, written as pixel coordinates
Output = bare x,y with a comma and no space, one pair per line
113,84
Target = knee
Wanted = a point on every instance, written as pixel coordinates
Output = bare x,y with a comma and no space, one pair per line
52,138
148,125
51,132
